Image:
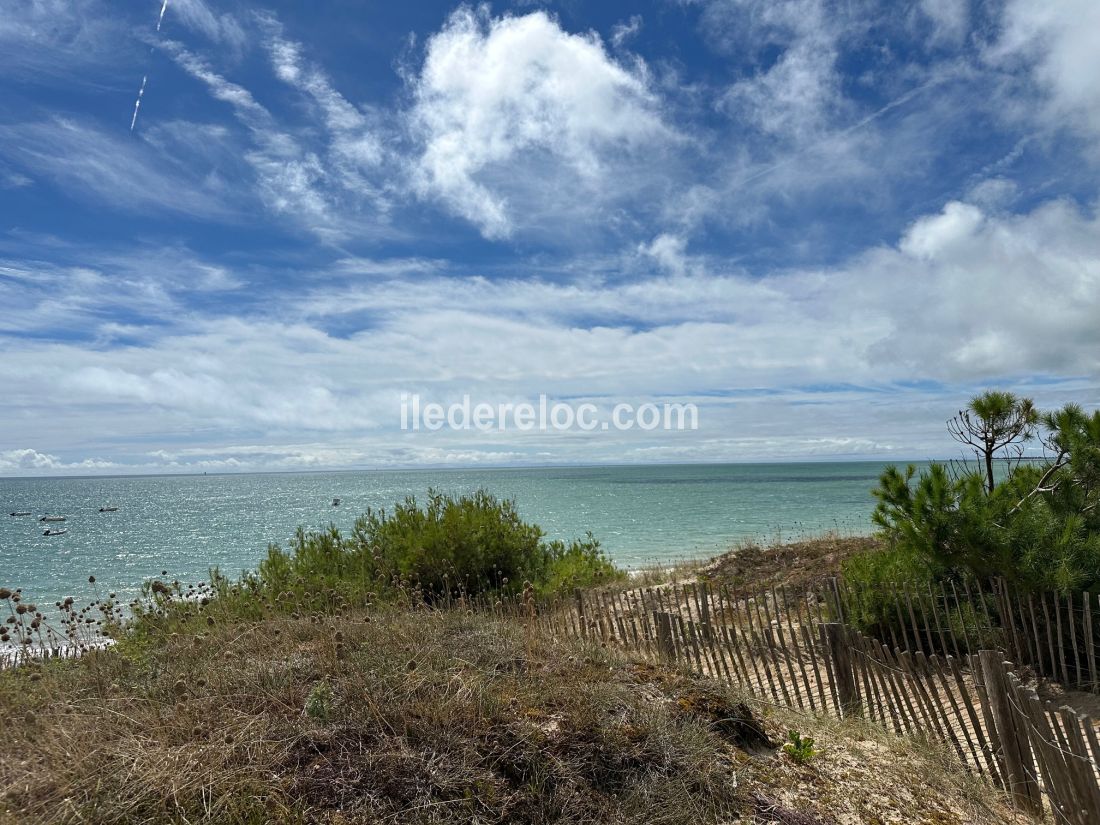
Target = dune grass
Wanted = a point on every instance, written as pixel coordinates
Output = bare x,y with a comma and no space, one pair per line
392,714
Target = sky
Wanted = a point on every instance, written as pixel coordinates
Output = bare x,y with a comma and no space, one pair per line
233,234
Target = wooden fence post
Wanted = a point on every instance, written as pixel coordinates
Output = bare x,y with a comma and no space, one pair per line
840,655
1019,763
665,646
704,611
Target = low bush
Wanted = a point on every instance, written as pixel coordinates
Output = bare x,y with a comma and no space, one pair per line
799,748
465,545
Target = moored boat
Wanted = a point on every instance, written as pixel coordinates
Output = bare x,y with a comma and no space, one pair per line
52,518
61,532
20,513
110,508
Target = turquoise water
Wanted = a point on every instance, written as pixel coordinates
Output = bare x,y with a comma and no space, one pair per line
185,524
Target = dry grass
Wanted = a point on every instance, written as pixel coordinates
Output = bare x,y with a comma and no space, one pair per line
800,565
399,716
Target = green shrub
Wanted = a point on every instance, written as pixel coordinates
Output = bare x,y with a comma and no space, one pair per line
319,702
874,582
1036,523
469,544
799,748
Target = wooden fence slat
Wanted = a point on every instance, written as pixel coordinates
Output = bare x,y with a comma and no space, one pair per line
777,624
665,645
983,603
963,620
1060,648
1068,793
872,707
959,723
840,663
891,702
1016,753
808,638
797,649
1082,766
771,662
991,733
1073,638
1050,758
730,635
1090,647
921,700
1029,638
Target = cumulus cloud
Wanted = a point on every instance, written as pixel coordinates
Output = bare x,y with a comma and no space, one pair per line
1009,294
27,459
500,100
31,462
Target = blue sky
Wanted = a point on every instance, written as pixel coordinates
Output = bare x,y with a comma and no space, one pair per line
826,224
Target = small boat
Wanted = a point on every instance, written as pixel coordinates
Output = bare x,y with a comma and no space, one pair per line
20,513
108,509
336,502
60,532
52,518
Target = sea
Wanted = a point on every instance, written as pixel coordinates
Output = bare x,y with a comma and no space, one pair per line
182,525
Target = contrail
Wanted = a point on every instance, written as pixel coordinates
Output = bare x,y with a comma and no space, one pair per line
137,103
145,78
893,104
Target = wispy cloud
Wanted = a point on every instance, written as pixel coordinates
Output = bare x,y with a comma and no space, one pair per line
83,160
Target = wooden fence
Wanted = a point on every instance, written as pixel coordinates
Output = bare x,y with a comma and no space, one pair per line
790,649
1053,633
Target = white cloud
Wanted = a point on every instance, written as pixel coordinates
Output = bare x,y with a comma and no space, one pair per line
993,193
356,151
13,180
501,100
950,19
1057,40
27,459
31,462
625,30
86,161
59,41
292,180
964,297
667,250
198,16
997,295
796,97
939,236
